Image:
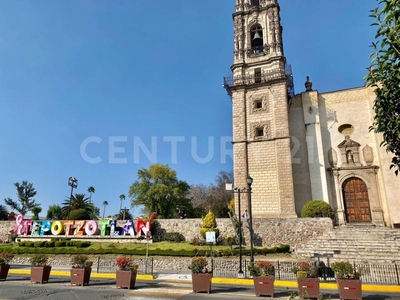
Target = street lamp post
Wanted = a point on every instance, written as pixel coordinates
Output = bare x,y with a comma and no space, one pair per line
238,191
249,181
73,183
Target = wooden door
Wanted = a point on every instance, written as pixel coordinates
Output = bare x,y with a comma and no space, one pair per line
356,202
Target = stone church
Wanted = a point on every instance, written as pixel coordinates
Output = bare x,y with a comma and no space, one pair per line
308,146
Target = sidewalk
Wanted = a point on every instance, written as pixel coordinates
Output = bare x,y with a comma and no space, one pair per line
181,284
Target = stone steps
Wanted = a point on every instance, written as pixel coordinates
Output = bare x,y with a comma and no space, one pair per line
355,243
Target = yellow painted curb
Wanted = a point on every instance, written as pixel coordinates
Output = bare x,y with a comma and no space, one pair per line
94,275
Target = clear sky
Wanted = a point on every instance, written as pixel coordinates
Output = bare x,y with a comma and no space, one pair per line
85,86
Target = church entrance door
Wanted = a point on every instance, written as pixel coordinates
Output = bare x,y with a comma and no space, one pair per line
356,202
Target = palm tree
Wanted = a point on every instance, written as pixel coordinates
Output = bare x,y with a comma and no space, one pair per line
122,198
3,213
105,203
36,211
78,201
90,191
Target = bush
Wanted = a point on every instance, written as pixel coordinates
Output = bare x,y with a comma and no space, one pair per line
49,244
60,244
209,224
317,209
79,214
174,237
38,244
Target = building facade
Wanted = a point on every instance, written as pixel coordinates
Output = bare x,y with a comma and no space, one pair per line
309,146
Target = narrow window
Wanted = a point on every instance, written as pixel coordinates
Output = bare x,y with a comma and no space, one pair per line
259,132
257,75
257,41
258,104
255,2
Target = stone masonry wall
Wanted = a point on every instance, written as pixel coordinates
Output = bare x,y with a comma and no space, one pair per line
268,232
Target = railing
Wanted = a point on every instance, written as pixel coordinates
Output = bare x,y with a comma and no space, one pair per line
249,79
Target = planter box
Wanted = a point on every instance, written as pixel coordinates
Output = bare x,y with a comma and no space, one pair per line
126,279
349,289
40,274
4,271
80,276
308,287
264,285
202,282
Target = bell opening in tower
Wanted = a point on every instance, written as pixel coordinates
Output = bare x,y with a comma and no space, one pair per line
255,2
257,42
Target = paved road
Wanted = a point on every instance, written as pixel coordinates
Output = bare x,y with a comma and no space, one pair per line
18,287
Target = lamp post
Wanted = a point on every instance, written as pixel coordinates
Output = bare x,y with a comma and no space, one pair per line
249,181
73,183
238,191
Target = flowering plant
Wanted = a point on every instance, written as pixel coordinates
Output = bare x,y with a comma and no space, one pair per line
80,261
344,270
126,264
262,268
305,270
39,260
5,258
199,265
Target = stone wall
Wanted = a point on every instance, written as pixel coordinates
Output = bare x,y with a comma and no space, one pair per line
268,232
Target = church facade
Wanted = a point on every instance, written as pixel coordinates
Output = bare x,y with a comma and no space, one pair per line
309,146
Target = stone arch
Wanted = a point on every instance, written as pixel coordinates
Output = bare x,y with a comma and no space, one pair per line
356,200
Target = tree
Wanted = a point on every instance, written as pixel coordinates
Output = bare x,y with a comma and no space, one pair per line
384,76
105,203
54,212
25,193
3,213
122,198
36,211
159,190
214,197
78,201
91,191
121,216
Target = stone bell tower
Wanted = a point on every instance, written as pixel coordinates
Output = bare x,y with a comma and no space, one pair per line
259,88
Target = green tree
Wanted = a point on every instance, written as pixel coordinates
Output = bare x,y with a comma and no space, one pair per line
209,224
121,216
54,212
3,213
78,201
36,211
91,191
384,77
25,202
159,190
105,203
79,214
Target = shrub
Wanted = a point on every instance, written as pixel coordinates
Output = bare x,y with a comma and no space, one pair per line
174,237
81,261
261,268
39,260
6,257
49,244
198,265
343,269
79,214
38,244
209,224
126,264
60,244
198,242
317,209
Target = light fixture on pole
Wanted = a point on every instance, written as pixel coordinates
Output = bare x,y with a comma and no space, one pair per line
73,183
229,187
249,181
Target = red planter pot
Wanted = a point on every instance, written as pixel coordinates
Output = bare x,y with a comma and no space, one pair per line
349,289
80,276
125,279
201,282
40,274
4,271
264,285
308,287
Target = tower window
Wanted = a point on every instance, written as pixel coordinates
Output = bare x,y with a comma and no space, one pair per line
257,75
259,132
258,104
255,2
257,41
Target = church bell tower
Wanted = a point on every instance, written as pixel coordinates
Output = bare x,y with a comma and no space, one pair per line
260,87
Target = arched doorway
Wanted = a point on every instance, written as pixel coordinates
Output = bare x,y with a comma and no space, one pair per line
356,201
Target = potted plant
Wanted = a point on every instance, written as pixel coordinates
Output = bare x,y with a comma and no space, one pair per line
348,281
5,258
263,273
201,276
307,280
81,269
40,270
126,273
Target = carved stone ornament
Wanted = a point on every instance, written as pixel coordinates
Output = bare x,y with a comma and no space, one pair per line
332,157
368,155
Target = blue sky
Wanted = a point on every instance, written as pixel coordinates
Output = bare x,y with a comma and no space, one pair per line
124,75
